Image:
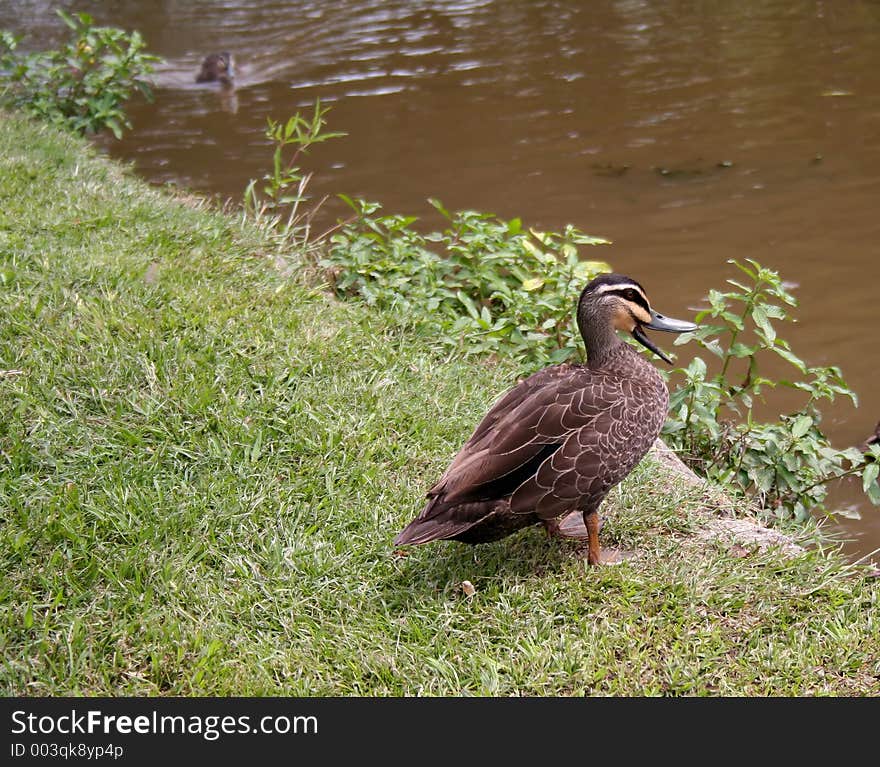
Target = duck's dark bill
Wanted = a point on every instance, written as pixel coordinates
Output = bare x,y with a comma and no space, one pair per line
666,324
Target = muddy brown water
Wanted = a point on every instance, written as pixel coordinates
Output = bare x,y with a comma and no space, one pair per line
688,133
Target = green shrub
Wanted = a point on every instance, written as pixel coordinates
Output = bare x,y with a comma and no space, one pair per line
787,464
481,285
83,85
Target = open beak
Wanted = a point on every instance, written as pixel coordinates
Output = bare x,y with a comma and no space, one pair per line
659,322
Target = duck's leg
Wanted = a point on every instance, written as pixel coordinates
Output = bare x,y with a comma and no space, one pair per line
591,522
570,525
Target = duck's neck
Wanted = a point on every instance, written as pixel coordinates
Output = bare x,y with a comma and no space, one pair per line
600,338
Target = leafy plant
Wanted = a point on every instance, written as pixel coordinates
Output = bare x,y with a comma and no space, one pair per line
83,85
482,285
283,191
788,463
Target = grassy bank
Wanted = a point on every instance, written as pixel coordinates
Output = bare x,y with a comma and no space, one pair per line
203,464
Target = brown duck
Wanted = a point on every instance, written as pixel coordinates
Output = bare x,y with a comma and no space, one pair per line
551,449
217,68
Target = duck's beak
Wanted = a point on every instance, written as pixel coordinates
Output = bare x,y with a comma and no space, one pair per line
659,322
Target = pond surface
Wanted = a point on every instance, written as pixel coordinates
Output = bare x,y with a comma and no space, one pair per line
687,133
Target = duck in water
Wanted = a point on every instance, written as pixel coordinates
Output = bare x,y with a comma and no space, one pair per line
217,68
220,68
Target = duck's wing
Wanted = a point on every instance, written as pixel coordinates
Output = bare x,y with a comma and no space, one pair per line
508,445
566,434
520,431
605,433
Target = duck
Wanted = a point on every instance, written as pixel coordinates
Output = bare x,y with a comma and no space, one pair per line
217,68
552,447
874,439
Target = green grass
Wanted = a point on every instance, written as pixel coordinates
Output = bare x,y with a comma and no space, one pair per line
203,464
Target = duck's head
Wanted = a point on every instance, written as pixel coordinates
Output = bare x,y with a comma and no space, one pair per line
618,302
217,67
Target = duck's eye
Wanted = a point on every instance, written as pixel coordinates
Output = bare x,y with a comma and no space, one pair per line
629,294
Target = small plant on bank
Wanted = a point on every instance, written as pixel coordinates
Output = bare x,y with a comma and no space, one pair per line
83,85
787,464
277,204
481,285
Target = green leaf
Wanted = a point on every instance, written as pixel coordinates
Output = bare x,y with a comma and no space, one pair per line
853,455
69,21
533,250
568,251
787,479
740,350
776,312
561,355
715,347
746,290
759,315
733,319
717,300
440,209
738,265
764,479
586,239
801,426
869,476
696,371
468,304
791,358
